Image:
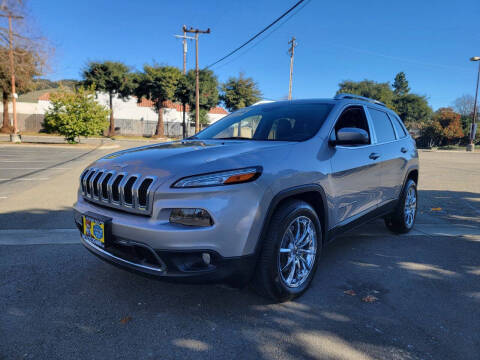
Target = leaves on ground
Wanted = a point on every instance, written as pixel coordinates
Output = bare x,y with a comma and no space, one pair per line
126,319
350,292
369,299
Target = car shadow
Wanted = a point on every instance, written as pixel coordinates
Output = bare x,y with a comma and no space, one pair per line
382,296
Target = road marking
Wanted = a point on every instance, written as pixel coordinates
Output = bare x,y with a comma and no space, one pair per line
37,168
39,236
27,161
26,179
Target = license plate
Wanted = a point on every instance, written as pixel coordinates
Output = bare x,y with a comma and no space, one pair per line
96,229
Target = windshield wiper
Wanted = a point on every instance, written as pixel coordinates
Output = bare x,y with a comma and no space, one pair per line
234,138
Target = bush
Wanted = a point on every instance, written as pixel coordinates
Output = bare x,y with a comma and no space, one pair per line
74,114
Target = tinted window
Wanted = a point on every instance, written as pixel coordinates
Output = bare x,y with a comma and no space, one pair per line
274,122
352,117
399,128
382,125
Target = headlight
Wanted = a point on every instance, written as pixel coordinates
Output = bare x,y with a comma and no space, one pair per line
220,178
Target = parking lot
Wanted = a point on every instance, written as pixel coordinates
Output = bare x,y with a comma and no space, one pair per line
57,301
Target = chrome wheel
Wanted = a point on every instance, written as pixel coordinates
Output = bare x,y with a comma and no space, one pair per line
410,207
297,253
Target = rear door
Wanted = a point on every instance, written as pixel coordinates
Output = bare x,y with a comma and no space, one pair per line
392,159
355,178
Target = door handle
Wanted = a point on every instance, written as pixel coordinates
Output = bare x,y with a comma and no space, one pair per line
403,150
374,156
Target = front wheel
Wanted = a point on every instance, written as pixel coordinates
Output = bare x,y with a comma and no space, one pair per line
403,218
290,252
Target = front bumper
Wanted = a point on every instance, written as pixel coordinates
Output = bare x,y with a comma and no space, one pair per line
237,211
180,266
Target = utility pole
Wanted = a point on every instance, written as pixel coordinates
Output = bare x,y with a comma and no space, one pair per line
291,51
184,37
10,16
197,84
473,128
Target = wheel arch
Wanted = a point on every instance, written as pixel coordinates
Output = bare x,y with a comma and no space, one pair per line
411,174
313,194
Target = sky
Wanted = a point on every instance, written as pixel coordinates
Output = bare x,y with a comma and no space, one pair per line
431,41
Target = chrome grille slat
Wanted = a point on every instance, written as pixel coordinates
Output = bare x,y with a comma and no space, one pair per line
94,181
104,182
135,187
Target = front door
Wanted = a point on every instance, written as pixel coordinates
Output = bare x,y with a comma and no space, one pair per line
355,178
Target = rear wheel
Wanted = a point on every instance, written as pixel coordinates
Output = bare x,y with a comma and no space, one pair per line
290,252
403,218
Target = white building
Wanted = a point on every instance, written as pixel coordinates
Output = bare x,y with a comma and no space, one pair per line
131,117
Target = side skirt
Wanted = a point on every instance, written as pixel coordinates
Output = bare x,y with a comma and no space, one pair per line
356,222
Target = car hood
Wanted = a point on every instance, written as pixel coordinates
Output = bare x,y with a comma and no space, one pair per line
190,157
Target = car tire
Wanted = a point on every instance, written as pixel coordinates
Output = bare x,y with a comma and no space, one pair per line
402,220
293,218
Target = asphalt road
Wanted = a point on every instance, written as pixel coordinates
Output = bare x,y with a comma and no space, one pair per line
58,301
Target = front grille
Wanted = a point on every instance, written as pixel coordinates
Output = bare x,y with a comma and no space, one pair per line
120,190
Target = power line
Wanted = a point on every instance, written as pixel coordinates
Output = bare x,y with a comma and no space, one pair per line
257,35
265,37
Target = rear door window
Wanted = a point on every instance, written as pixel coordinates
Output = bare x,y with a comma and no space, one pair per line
398,127
382,125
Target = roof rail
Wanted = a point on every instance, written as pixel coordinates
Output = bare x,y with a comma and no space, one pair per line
358,97
263,102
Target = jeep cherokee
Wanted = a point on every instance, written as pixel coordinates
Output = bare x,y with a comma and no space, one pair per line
255,196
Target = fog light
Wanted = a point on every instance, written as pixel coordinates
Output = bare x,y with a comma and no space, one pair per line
191,217
206,258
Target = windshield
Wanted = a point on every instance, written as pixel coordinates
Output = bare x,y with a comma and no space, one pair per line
273,122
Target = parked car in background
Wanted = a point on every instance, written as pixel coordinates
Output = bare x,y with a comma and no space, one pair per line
255,196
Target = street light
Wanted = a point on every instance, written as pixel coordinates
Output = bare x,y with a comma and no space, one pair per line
473,128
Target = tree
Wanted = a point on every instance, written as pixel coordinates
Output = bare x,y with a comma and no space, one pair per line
464,105
400,84
158,83
75,113
449,120
431,134
368,88
208,90
182,95
111,77
202,118
29,54
413,110
240,92
27,65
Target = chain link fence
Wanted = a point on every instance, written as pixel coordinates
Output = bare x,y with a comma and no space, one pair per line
124,127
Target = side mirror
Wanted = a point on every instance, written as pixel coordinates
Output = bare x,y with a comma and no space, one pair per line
351,136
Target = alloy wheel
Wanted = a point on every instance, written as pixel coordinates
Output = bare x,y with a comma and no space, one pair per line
297,252
410,207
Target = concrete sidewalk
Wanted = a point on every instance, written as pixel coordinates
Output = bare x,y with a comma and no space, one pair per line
377,229
94,141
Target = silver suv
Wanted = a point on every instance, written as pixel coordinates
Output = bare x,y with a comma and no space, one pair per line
253,197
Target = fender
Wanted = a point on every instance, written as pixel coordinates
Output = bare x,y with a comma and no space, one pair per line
407,174
282,195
